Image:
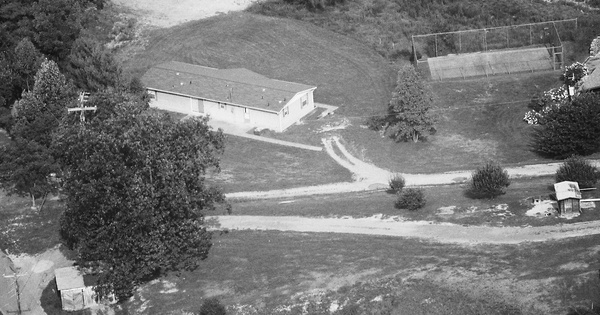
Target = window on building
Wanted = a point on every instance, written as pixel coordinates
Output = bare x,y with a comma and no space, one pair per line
304,100
222,105
286,111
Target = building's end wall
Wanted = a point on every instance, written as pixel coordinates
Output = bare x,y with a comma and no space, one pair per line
296,109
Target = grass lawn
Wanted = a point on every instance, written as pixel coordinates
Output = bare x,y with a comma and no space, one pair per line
466,211
347,73
480,119
254,165
23,230
262,270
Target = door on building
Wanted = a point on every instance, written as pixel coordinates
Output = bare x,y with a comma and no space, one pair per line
197,105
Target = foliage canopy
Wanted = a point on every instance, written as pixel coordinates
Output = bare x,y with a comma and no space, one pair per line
135,194
570,129
580,170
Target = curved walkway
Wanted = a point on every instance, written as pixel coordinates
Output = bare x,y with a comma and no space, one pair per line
444,232
371,177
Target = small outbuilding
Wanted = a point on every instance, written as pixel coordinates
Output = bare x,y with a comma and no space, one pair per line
568,197
76,289
237,96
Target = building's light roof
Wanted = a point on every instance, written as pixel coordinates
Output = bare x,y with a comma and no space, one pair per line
68,278
234,86
565,190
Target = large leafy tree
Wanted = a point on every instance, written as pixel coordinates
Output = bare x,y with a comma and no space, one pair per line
570,129
135,194
409,116
25,168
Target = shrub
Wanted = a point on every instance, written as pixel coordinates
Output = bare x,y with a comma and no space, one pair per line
574,73
411,199
580,170
570,129
396,183
488,181
212,306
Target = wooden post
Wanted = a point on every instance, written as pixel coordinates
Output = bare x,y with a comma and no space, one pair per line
83,98
484,39
530,35
16,275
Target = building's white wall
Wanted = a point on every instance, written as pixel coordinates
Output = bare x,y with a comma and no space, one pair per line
236,114
171,102
296,109
78,299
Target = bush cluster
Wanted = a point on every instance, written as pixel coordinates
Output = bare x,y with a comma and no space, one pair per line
580,170
411,199
396,183
212,306
488,181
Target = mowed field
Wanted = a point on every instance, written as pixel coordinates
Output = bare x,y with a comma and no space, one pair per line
479,119
269,271
249,165
346,72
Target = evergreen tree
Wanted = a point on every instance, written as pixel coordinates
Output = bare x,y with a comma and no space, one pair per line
409,116
91,67
38,113
26,163
27,61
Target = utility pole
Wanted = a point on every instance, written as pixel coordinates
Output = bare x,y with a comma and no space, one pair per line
16,275
83,98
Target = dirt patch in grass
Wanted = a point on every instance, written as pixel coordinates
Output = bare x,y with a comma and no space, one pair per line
23,230
262,270
443,204
181,11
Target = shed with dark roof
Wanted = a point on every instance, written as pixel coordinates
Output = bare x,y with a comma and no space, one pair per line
237,96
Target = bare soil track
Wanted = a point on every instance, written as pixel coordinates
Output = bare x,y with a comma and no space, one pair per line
445,233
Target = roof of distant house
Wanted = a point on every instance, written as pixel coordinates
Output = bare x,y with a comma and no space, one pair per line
565,190
234,86
592,80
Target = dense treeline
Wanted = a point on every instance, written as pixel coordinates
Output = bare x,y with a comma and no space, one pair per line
388,25
131,179
64,31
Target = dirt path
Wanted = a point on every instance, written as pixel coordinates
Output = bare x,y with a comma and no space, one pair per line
445,232
370,177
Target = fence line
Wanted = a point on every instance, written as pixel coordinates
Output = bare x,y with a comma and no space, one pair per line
497,27
492,38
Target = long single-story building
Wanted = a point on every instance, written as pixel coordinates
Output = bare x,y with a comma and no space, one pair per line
237,96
